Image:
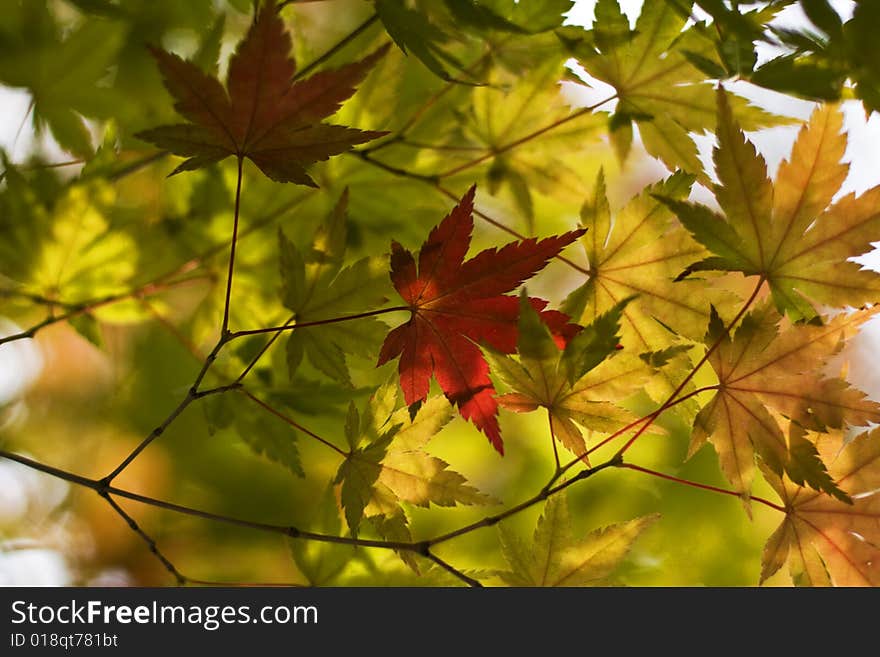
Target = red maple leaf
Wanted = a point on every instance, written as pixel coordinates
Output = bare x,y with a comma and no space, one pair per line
457,305
266,116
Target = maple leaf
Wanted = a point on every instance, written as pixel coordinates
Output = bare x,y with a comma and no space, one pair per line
316,287
264,433
456,305
824,540
657,85
640,250
63,76
786,232
554,557
764,373
387,464
571,383
267,116
506,112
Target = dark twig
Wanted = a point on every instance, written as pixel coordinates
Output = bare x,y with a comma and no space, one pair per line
344,41
151,544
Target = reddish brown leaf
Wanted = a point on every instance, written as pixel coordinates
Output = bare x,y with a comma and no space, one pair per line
266,115
458,304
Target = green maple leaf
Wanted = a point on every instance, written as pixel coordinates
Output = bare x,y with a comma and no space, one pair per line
554,557
788,232
387,464
265,434
68,248
267,116
824,540
640,250
414,33
657,85
64,75
510,110
316,286
764,375
570,383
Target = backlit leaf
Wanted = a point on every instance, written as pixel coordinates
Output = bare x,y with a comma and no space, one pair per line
457,304
764,372
387,464
554,557
826,541
789,233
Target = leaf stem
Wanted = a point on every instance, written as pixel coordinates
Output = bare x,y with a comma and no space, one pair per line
695,484
553,441
333,320
623,430
526,138
397,171
225,326
291,422
711,350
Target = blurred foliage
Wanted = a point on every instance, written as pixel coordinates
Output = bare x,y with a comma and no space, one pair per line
124,270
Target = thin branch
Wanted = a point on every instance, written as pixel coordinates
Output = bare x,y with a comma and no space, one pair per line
636,423
452,570
438,147
74,310
225,327
397,171
39,167
151,544
30,108
420,547
256,359
135,166
344,41
155,433
191,395
695,484
37,299
201,394
58,473
546,492
212,583
320,322
711,350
